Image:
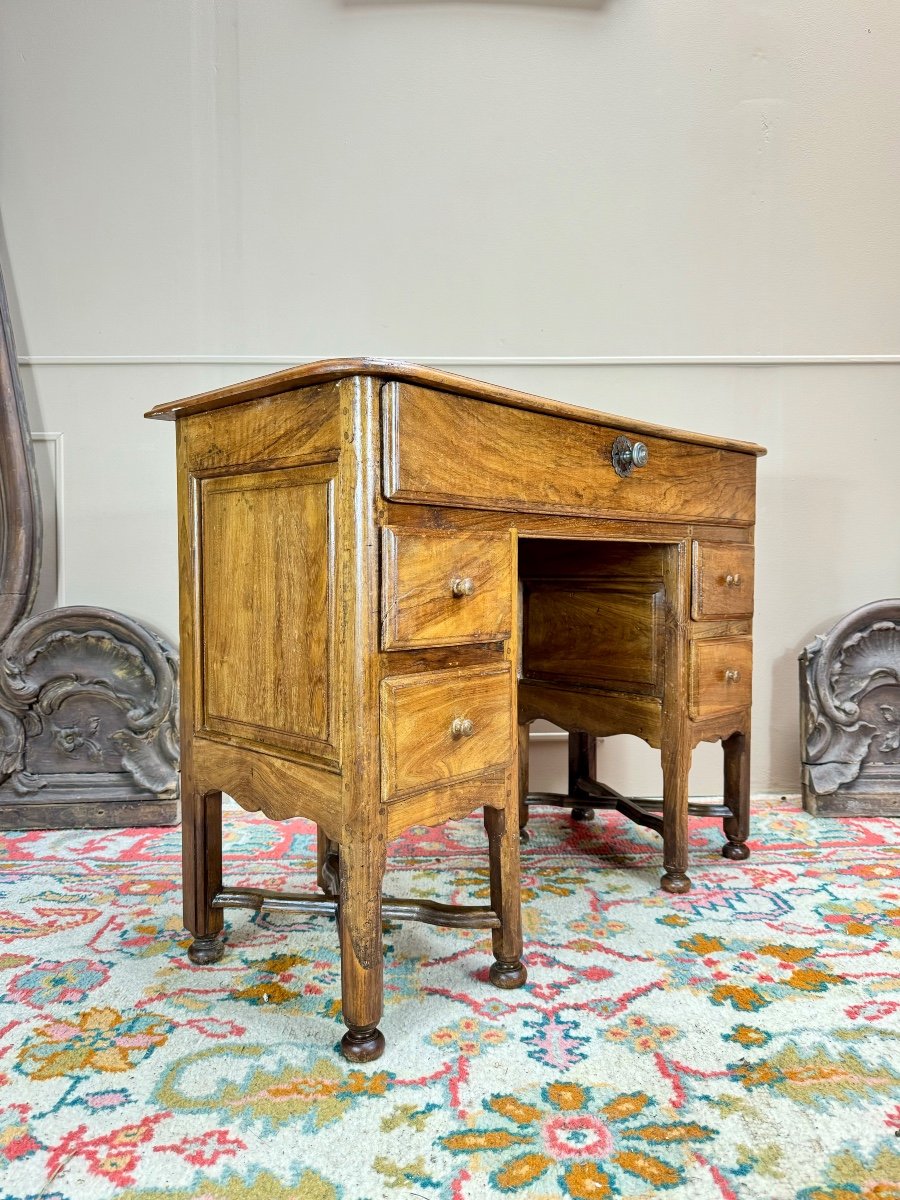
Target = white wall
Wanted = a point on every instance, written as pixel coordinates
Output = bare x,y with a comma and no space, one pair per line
488,185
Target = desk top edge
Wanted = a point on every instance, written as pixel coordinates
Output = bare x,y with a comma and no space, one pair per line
330,369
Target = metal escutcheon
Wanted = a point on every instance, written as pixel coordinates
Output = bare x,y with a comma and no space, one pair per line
626,455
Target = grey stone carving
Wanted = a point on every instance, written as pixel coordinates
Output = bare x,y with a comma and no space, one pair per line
850,715
88,697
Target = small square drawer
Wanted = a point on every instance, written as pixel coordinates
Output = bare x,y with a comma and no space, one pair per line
721,675
722,584
441,589
444,726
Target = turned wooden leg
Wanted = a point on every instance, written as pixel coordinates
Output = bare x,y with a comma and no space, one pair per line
508,970
737,795
582,765
201,843
676,764
359,926
524,745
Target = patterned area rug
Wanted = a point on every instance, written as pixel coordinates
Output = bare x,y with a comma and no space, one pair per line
741,1041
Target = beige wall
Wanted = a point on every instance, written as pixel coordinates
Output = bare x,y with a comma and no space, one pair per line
683,211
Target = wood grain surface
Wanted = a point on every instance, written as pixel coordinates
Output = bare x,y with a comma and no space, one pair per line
721,675
722,581
419,743
441,589
268,568
519,460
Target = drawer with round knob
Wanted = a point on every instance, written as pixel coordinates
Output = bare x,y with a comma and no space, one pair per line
457,451
722,581
443,589
444,726
721,671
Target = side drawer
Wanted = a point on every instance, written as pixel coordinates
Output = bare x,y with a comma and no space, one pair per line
722,581
444,726
721,671
441,589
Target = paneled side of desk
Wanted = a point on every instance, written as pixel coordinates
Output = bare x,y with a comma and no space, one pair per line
259,499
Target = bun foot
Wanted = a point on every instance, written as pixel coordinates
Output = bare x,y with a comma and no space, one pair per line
675,882
508,975
524,835
737,851
582,814
362,1045
205,950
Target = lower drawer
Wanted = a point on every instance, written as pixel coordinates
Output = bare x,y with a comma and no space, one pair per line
443,726
721,671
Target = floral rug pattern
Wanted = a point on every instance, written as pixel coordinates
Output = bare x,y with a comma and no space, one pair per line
742,1041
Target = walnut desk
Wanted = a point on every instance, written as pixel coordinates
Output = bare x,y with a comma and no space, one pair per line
385,570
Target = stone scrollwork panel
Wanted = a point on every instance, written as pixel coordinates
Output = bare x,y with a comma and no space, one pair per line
850,714
88,717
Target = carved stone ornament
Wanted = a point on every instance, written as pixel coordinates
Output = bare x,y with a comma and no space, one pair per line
88,697
850,715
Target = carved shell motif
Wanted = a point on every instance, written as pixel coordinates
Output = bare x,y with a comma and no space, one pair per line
858,656
869,658
90,655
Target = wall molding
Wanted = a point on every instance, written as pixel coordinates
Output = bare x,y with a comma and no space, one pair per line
713,360
56,440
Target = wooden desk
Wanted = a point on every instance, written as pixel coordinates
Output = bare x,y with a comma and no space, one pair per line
383,567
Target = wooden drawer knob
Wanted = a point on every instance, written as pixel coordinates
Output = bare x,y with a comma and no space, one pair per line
462,586
732,676
732,581
461,727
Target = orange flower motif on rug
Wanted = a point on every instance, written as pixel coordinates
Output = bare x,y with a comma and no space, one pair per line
588,1145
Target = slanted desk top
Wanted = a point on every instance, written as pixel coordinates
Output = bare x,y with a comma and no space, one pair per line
328,369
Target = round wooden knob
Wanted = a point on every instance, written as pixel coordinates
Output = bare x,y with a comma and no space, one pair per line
462,586
461,727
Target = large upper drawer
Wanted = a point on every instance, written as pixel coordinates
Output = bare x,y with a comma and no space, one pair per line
444,726
445,589
516,459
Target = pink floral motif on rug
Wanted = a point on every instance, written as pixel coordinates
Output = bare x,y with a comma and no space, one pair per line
742,1041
